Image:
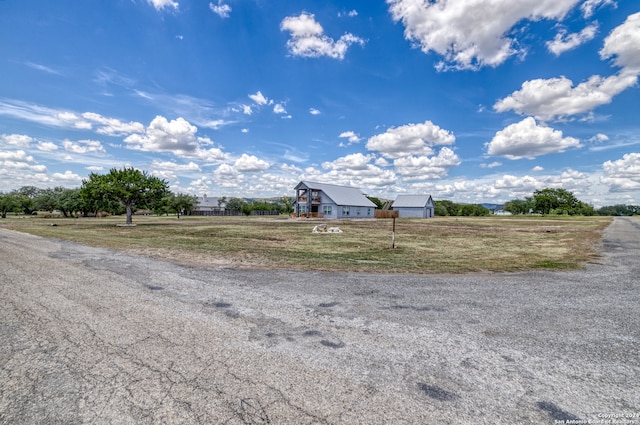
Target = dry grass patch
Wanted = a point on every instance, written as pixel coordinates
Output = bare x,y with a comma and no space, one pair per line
440,245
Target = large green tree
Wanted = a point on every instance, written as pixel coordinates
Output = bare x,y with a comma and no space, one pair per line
130,187
8,202
559,201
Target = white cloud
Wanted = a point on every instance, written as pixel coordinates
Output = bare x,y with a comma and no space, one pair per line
259,98
176,136
279,109
410,139
244,130
623,174
250,163
113,126
68,177
308,38
350,14
470,34
356,161
19,155
350,136
599,138
537,169
623,44
172,166
491,165
425,167
47,146
564,42
19,140
222,10
161,4
557,97
246,109
527,139
314,111
83,146
589,6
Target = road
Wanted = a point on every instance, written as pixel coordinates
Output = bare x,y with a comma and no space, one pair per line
101,337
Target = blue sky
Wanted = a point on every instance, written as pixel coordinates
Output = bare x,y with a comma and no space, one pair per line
467,100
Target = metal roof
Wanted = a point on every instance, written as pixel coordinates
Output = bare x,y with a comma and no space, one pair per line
341,195
412,201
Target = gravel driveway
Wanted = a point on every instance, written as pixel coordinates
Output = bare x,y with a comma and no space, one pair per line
96,336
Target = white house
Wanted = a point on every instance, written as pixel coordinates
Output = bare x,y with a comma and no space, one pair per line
417,206
331,201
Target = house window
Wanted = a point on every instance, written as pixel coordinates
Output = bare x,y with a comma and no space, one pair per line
368,211
302,209
326,209
345,210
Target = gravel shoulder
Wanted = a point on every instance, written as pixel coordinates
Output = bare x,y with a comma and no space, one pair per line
98,336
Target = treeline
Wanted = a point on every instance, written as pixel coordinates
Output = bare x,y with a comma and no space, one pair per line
30,200
284,205
563,202
448,208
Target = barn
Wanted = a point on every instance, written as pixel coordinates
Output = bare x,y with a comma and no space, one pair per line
416,206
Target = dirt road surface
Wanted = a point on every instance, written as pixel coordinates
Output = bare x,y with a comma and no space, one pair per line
101,337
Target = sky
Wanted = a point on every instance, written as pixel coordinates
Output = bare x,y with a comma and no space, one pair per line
479,101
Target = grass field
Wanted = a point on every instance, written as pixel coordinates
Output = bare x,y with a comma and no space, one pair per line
438,245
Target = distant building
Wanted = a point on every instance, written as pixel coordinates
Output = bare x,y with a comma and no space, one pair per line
331,201
206,205
416,206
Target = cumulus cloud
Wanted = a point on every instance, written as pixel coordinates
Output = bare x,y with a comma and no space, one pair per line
425,167
18,160
623,174
554,98
527,139
222,10
250,163
314,111
350,136
113,126
161,4
20,140
83,146
259,98
410,139
308,38
557,97
172,166
47,146
279,109
161,135
470,34
564,42
352,170
623,45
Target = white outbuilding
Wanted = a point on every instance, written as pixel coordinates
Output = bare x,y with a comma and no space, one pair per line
416,206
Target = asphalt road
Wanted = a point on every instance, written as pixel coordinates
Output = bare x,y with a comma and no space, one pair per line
96,336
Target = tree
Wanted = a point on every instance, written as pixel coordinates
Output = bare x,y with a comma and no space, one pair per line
519,206
182,203
559,201
286,203
130,187
8,202
235,204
